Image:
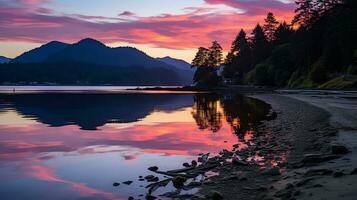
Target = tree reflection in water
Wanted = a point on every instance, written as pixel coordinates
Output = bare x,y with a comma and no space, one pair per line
242,113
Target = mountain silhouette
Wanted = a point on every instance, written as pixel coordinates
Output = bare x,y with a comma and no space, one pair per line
91,62
178,63
41,53
182,67
4,59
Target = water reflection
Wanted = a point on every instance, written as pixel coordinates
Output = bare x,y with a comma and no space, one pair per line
72,146
243,114
90,111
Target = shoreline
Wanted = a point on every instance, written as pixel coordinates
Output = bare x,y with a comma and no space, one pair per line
303,152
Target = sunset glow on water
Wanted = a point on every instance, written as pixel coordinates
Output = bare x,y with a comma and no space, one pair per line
78,145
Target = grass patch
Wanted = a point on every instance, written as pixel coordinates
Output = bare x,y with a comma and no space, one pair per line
342,82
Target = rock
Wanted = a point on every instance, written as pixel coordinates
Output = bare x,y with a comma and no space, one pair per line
338,149
275,171
297,193
303,181
192,185
317,158
178,181
150,197
186,165
283,194
130,198
194,163
203,158
236,161
115,184
338,174
314,172
148,177
128,182
236,146
215,195
154,179
354,171
289,186
153,168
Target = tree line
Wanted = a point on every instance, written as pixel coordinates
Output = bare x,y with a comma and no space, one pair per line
318,45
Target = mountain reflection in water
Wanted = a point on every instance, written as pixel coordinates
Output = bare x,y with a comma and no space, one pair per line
76,145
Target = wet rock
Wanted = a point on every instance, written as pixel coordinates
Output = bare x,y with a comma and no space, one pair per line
297,193
186,165
283,194
354,171
153,168
289,186
215,195
192,185
275,171
203,158
338,149
115,184
150,197
338,174
178,181
130,198
194,163
317,158
303,182
127,182
148,177
236,161
314,172
154,179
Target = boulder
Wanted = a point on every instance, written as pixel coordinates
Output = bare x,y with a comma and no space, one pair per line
178,181
153,168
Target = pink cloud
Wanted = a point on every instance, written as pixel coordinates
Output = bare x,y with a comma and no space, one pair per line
180,31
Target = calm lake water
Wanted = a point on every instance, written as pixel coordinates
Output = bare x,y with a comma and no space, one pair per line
76,145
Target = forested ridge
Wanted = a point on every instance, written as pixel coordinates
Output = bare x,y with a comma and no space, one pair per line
316,49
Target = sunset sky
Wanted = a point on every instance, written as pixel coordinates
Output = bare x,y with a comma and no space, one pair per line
158,27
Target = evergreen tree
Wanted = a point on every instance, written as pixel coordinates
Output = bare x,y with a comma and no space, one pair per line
309,11
239,57
260,45
201,58
206,61
270,26
282,34
215,55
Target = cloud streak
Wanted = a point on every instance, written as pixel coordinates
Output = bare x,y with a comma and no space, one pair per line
196,27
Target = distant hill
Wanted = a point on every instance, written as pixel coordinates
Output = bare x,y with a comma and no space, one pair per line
178,63
41,53
99,57
3,59
184,68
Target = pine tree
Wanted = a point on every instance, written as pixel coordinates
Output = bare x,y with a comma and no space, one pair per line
215,55
260,45
309,11
207,61
201,58
270,26
282,34
239,56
